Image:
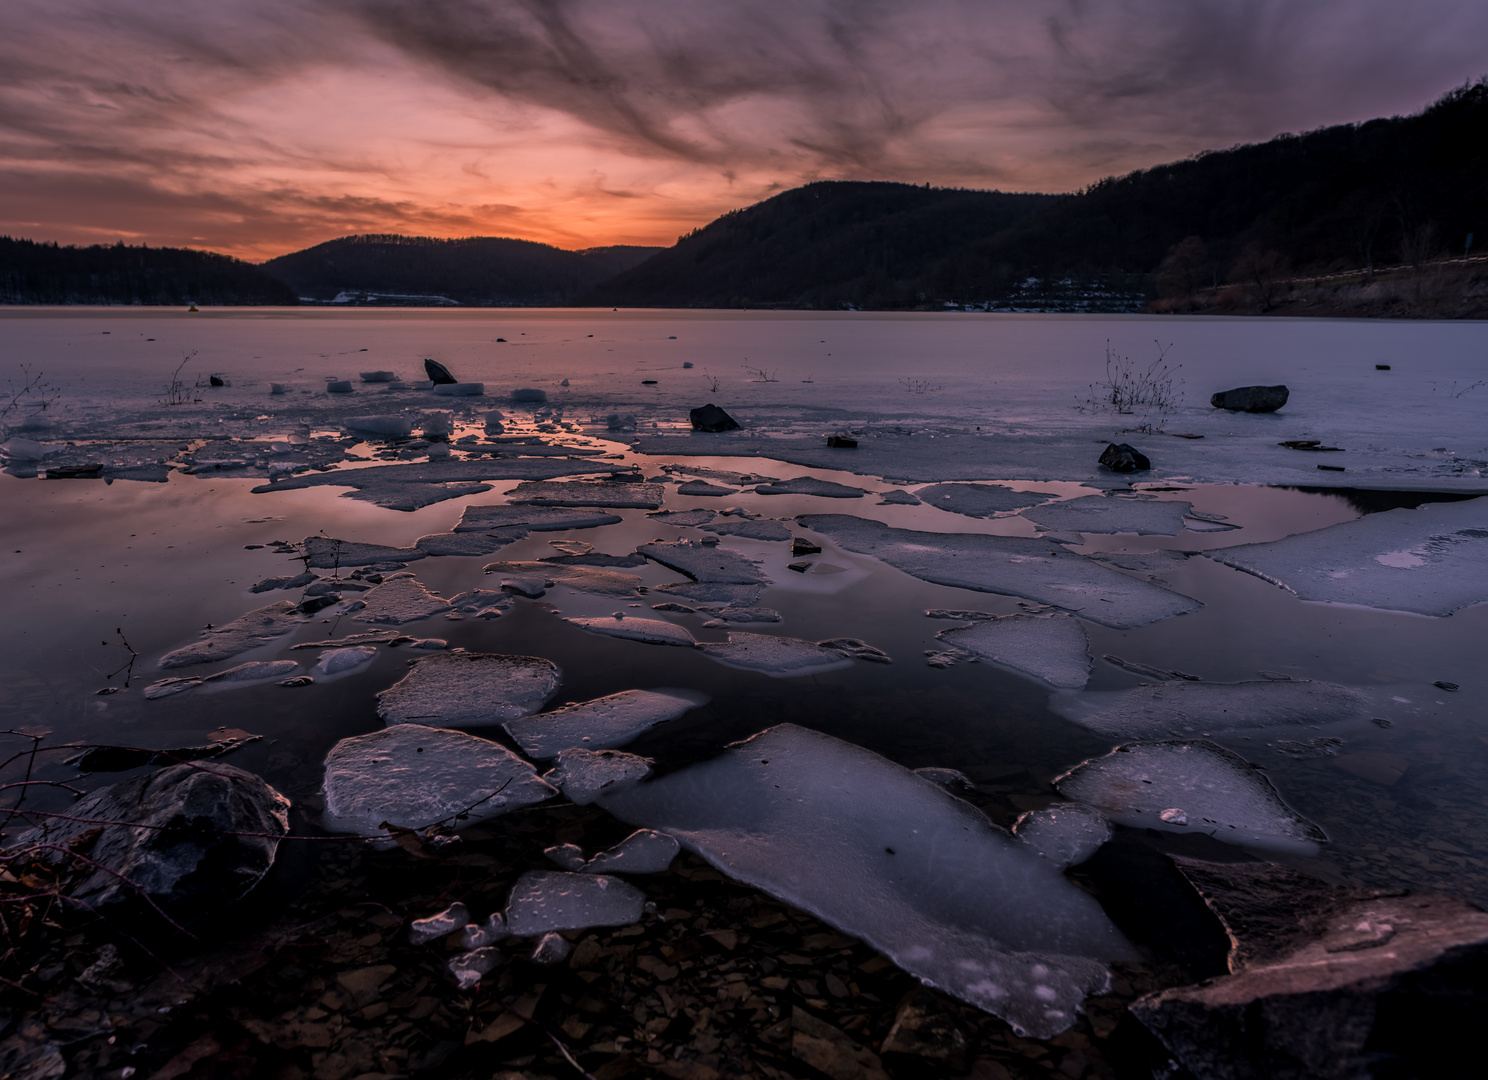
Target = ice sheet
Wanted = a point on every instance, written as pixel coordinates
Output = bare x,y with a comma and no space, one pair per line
545,900
603,723
651,631
1190,787
1112,514
1066,833
401,598
583,775
1053,648
416,776
978,500
1011,565
1431,561
589,493
468,689
532,518
885,855
1200,708
711,563
245,632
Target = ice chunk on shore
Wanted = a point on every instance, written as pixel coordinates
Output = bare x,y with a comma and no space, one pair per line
712,562
703,488
532,518
979,500
779,657
589,579
1189,708
395,426
253,671
414,776
400,599
1011,565
327,553
1190,787
713,592
870,848
1066,833
644,851
1053,648
1431,561
752,529
683,518
443,923
1112,514
651,631
19,449
466,689
810,485
468,543
469,968
545,900
588,493
246,632
584,775
606,722
333,661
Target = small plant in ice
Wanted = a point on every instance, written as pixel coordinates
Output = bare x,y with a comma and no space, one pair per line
33,388
920,386
1130,390
762,375
713,381
1454,392
178,392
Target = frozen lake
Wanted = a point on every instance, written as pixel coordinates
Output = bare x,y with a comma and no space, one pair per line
1386,613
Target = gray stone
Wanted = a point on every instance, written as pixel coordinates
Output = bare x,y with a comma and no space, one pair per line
711,418
1251,398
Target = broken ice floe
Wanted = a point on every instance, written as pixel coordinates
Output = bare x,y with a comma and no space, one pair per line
724,616
644,851
253,671
810,485
412,485
422,931
1112,514
480,935
468,543
589,579
246,632
711,562
1190,787
546,900
588,493
898,497
165,688
327,553
482,603
714,592
1053,648
979,500
651,631
881,854
684,518
1142,562
585,775
751,529
532,518
466,689
1431,561
780,657
469,968
1066,833
857,648
414,776
294,581
603,723
703,488
400,598
334,661
568,857
1011,565
1187,708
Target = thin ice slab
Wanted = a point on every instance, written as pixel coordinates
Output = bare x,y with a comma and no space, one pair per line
1110,514
589,579
465,689
1053,648
1194,708
1011,565
585,775
335,661
588,493
400,598
246,632
409,486
713,592
751,529
1195,786
1431,561
532,518
979,500
651,631
327,552
810,485
644,851
468,543
779,657
887,856
414,776
704,489
685,518
1066,833
545,900
603,723
253,671
711,563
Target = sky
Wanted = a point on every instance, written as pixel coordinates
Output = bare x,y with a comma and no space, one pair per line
258,127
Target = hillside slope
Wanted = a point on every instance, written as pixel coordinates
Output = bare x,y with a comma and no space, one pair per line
36,273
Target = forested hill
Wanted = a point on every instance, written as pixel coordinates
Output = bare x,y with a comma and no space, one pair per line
828,243
35,273
479,271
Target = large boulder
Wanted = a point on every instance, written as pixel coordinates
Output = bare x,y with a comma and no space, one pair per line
438,374
711,418
1326,982
1124,457
1250,399
188,839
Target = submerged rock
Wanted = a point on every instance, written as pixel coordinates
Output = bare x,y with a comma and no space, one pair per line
1256,399
711,418
466,689
603,723
1053,648
246,632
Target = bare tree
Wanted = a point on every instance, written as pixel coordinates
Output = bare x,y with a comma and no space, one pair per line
1260,269
1184,270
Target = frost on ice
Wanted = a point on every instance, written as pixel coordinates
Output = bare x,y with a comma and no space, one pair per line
978,500
585,775
779,657
1112,514
1189,708
588,493
465,689
810,485
399,599
1190,787
1066,833
606,722
1053,648
644,851
247,632
651,631
532,518
870,848
415,776
1431,561
1011,565
712,563
327,552
546,900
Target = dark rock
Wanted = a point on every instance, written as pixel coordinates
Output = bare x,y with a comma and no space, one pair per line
1250,399
841,442
316,603
798,567
529,395
711,418
1327,982
90,471
209,834
801,546
925,1039
1123,457
1381,367
438,373
1442,684
216,380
